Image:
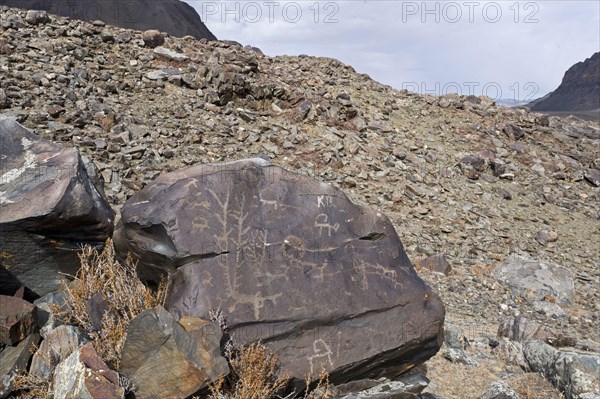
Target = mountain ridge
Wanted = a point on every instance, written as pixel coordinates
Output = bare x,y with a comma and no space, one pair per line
174,17
579,90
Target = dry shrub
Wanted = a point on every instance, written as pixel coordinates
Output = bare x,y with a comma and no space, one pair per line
322,390
121,289
28,386
255,374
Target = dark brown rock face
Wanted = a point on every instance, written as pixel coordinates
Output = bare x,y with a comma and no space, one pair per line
49,206
172,16
578,91
290,261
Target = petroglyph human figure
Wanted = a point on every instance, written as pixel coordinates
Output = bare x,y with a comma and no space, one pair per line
322,222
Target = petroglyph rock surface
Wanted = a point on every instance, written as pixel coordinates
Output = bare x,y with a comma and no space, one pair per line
290,261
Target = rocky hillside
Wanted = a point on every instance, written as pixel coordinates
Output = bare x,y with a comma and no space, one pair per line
485,199
578,91
171,16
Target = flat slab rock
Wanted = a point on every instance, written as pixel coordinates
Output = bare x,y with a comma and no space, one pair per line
50,204
537,280
290,261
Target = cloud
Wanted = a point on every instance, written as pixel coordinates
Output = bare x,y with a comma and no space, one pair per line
521,47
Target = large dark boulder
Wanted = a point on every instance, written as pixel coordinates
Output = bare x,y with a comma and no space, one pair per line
290,261
175,17
50,205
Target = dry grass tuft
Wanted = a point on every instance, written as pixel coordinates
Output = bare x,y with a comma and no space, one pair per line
535,386
122,294
482,270
322,390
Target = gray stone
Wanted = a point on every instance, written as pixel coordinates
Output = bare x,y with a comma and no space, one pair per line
107,36
5,101
456,343
35,17
521,329
406,387
500,390
49,206
593,177
459,356
453,337
513,131
436,263
170,54
170,359
472,166
56,347
536,280
14,360
254,239
575,374
47,320
545,236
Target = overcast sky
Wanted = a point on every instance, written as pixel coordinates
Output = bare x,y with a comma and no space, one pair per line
503,49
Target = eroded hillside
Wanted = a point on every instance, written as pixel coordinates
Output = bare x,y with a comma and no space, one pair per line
456,175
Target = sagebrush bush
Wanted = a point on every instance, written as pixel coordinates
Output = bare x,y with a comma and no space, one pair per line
124,295
255,373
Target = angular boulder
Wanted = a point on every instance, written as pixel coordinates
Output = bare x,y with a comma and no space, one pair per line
14,360
56,347
436,263
166,359
18,319
49,206
291,261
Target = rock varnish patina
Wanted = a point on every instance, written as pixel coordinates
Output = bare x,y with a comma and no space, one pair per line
291,261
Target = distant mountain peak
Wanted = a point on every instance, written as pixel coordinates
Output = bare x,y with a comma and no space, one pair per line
175,17
579,90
